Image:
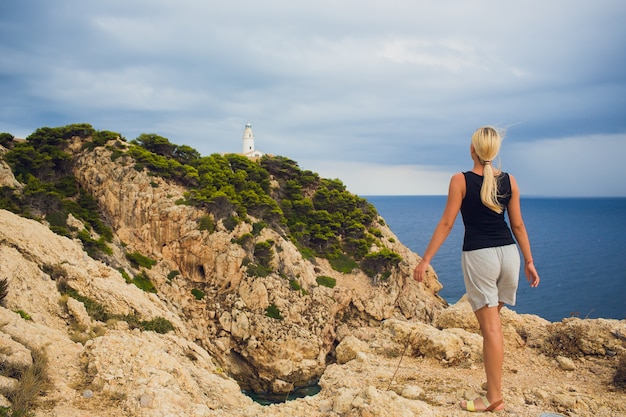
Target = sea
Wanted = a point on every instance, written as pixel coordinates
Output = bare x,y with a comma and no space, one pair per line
578,245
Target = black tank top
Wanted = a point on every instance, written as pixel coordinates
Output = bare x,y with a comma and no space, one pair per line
484,228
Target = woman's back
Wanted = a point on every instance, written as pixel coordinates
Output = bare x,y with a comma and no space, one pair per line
485,228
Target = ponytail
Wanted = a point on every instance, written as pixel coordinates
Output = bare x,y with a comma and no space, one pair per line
489,190
486,141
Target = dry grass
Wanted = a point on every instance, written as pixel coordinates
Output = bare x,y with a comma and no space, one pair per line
565,341
32,382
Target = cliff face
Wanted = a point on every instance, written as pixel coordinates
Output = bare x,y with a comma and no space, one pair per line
263,353
352,338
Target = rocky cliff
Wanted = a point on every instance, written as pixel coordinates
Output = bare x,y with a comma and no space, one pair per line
376,348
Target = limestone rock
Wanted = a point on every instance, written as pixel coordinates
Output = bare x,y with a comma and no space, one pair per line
349,349
566,363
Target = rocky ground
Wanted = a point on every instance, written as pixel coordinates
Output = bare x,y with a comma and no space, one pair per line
534,383
397,351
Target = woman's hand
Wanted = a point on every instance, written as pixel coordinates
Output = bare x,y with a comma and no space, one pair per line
420,271
531,274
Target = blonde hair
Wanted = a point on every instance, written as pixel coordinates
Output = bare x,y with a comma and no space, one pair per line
486,141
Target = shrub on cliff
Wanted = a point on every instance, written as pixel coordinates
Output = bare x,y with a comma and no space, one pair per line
139,260
6,140
273,312
158,325
142,281
326,281
263,253
379,264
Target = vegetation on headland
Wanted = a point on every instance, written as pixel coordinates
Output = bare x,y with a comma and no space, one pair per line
50,190
319,215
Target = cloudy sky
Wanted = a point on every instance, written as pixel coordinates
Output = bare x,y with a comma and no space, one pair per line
382,94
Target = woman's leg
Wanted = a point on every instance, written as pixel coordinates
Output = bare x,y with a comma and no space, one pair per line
493,349
493,355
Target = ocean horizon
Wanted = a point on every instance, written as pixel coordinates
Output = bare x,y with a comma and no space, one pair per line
578,244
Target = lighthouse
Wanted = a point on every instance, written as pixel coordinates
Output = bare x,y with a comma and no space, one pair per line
248,139
248,143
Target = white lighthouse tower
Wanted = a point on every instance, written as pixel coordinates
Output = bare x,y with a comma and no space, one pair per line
248,143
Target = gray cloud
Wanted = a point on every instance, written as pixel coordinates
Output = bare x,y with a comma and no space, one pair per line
391,88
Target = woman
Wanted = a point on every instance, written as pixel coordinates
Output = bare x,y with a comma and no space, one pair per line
490,258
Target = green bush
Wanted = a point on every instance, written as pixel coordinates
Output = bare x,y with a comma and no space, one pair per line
6,140
116,153
255,270
158,325
273,312
380,263
264,254
137,259
243,240
93,247
125,275
143,282
172,275
325,281
342,263
294,285
198,294
231,222
257,227
206,223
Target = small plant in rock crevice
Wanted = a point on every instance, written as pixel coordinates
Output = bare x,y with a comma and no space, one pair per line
325,281
273,311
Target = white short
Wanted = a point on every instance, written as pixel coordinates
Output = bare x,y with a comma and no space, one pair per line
491,275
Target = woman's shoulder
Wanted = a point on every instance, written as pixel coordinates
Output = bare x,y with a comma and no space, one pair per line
458,181
458,177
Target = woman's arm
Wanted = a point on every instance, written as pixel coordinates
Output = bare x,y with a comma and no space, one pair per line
519,230
456,192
